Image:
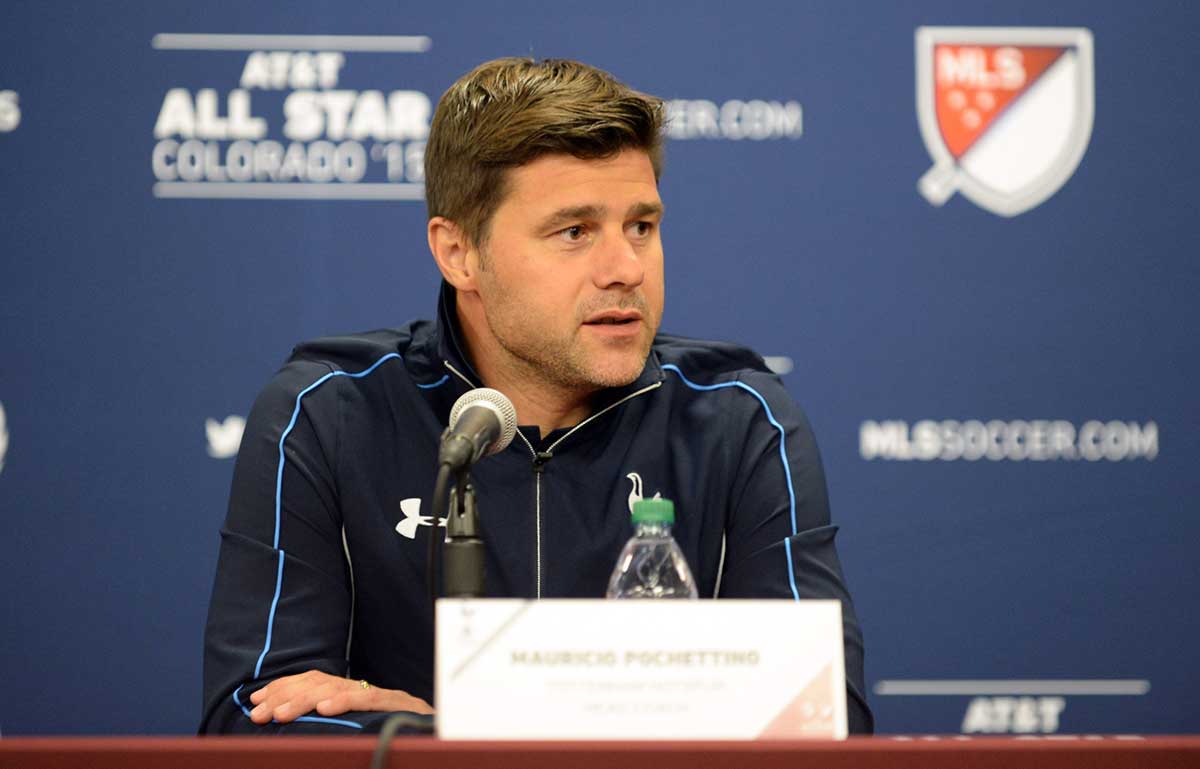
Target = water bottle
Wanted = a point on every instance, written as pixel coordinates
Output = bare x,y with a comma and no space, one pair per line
652,565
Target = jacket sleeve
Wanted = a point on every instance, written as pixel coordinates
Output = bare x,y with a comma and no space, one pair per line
779,537
282,598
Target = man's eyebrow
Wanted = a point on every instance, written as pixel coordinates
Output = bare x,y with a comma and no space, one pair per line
638,210
564,216
572,214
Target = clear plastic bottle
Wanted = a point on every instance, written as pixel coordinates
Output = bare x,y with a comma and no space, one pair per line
651,564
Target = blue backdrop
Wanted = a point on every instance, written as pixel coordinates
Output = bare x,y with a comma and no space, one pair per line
1005,404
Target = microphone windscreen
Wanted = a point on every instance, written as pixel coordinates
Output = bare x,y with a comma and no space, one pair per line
494,401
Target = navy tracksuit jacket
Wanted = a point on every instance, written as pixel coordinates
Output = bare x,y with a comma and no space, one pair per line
324,549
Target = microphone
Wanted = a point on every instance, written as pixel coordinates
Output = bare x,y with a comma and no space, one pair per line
482,422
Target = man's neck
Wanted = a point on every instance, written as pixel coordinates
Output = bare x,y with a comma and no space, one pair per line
538,401
541,406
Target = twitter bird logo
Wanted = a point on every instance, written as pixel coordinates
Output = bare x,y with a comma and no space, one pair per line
3,436
224,438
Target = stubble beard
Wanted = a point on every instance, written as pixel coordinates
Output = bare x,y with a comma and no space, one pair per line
568,363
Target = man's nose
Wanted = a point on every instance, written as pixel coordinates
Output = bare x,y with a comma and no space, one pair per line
617,262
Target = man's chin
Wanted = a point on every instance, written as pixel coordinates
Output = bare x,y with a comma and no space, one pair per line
618,373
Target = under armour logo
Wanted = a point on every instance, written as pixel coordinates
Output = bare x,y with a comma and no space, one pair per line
635,495
411,507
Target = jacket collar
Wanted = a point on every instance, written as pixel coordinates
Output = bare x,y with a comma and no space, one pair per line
452,348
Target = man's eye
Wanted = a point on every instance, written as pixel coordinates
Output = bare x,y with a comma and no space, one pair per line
573,234
642,229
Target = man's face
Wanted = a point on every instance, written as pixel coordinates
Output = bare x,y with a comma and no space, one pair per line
572,278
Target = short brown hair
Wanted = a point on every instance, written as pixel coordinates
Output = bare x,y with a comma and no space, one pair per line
508,112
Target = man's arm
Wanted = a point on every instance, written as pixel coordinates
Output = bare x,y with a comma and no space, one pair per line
276,641
779,538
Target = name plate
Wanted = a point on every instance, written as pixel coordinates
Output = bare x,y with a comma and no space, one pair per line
619,670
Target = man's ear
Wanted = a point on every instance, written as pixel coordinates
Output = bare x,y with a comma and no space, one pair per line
452,250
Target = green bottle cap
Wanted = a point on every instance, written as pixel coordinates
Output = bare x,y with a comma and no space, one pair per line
654,511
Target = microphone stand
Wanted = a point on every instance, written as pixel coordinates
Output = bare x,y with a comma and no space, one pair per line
464,545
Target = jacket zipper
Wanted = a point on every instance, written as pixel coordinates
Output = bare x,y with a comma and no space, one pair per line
542,458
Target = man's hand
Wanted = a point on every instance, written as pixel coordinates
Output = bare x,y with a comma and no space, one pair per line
286,699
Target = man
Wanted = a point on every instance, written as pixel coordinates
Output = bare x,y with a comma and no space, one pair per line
544,217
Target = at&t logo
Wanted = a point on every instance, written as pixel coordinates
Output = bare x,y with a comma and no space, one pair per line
1013,715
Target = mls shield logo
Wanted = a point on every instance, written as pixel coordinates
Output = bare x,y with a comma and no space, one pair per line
1006,113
